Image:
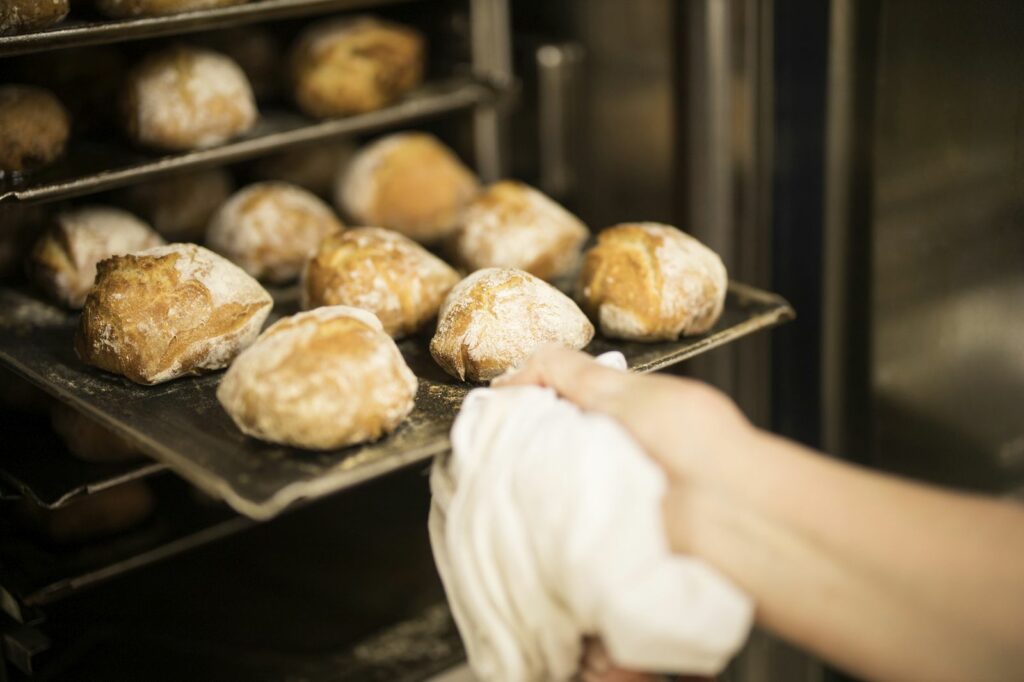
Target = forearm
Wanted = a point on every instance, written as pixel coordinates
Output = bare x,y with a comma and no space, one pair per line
887,578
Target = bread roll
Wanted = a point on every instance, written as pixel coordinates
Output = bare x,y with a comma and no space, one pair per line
123,9
168,312
257,51
495,318
378,270
270,228
409,182
652,282
63,261
34,128
180,207
314,168
17,16
94,516
185,98
86,439
354,65
512,225
321,380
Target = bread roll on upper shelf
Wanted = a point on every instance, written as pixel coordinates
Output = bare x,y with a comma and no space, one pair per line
652,282
495,318
63,261
18,16
123,9
408,182
381,271
184,98
270,229
34,128
322,379
512,225
168,312
354,65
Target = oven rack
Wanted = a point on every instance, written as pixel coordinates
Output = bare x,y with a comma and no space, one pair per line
182,425
81,33
89,167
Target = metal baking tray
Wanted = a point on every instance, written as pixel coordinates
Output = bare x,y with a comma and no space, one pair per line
90,167
182,424
80,33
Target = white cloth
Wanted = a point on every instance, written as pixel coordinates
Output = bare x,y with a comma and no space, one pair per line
546,526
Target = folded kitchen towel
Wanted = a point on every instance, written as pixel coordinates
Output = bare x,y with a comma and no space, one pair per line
546,527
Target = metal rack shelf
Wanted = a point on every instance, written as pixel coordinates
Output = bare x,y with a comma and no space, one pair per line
83,33
90,167
182,424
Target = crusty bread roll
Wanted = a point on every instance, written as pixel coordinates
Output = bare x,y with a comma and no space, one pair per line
257,50
168,312
322,379
63,261
378,270
122,9
94,516
34,128
314,168
409,182
180,206
185,98
512,225
270,228
86,439
17,16
354,65
495,318
652,282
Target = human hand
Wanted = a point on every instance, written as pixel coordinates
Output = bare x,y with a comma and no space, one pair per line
687,426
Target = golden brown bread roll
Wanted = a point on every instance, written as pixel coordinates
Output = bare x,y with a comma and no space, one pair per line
186,98
34,128
381,271
179,207
652,282
322,379
122,9
408,182
354,65
168,312
495,318
18,16
86,439
63,261
512,225
270,229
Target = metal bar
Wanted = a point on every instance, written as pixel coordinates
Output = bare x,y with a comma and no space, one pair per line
78,34
491,43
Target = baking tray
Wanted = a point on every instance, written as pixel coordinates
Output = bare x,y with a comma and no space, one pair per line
76,33
181,423
90,167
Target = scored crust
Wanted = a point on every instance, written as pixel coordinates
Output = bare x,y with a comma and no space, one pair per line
322,379
168,312
651,282
378,270
495,318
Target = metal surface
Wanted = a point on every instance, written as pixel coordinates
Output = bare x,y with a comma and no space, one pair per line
559,70
491,48
80,33
182,424
88,168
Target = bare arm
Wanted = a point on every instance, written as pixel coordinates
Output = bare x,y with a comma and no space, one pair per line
885,578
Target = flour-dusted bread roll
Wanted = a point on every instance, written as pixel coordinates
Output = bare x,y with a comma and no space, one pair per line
34,128
63,261
354,65
17,16
378,270
270,229
180,207
512,225
652,282
186,98
122,9
495,318
408,182
322,379
168,312
86,439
